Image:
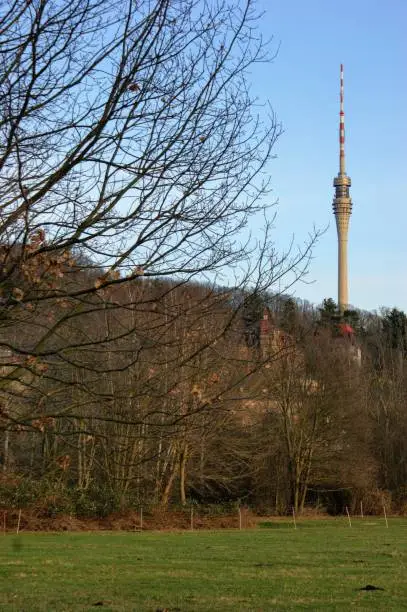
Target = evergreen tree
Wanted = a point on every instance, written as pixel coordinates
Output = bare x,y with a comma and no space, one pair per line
289,317
253,308
394,328
329,313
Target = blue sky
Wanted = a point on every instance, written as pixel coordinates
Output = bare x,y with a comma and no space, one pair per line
302,84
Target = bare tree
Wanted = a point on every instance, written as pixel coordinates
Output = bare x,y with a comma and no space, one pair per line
131,149
133,156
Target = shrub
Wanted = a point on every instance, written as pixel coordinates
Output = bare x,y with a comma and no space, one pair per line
96,502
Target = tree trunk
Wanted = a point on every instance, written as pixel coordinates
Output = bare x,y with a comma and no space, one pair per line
6,450
182,474
168,487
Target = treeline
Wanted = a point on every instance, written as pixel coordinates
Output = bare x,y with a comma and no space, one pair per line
176,393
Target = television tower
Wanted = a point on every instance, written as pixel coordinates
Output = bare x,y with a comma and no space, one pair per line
342,205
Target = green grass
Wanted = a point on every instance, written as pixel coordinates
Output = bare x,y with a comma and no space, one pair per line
319,566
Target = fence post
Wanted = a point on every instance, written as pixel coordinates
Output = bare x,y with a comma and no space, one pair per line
295,522
141,518
347,512
192,518
19,521
240,518
385,516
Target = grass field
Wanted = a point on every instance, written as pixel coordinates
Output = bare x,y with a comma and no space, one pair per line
320,566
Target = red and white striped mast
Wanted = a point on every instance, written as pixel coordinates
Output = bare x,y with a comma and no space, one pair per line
341,129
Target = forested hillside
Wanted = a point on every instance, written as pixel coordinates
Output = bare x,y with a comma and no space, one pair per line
170,392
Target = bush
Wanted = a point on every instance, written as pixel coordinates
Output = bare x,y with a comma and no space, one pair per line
18,493
50,499
96,502
374,500
46,497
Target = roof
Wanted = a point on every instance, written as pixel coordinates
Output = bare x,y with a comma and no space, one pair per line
346,329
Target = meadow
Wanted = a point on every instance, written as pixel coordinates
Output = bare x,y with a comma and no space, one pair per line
321,565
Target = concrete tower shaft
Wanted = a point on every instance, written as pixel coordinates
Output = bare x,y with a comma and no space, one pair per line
342,206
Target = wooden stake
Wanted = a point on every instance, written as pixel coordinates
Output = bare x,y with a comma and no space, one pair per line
385,516
295,523
19,521
361,509
141,519
4,521
192,518
347,512
240,519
